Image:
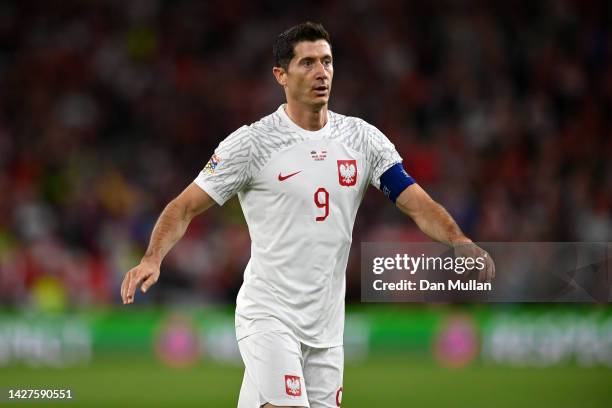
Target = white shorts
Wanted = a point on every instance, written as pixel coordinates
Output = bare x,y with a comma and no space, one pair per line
282,371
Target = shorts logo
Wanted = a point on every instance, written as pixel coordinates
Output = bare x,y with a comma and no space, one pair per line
212,164
339,397
293,385
347,172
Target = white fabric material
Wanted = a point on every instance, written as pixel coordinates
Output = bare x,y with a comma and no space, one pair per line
300,224
273,358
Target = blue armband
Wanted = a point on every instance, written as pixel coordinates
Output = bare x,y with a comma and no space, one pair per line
394,181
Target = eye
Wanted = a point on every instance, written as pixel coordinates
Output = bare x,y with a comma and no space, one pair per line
307,63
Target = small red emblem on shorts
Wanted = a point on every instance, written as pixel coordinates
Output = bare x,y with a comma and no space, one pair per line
293,385
347,172
339,396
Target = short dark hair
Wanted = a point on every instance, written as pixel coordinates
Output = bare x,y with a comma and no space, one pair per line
283,48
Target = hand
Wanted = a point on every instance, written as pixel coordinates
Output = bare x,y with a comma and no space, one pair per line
145,272
471,250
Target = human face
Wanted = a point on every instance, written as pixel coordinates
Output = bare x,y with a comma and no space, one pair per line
308,78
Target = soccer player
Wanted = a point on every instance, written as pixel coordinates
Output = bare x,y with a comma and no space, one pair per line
300,175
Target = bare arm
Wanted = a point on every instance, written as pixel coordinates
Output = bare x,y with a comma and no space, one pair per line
169,229
437,223
174,220
430,216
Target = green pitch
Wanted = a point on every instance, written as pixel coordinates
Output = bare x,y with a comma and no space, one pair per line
383,381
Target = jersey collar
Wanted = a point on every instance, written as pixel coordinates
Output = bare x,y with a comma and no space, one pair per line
310,134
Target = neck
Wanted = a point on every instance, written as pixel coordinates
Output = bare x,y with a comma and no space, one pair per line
307,118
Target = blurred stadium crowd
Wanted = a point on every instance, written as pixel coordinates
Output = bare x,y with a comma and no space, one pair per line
108,109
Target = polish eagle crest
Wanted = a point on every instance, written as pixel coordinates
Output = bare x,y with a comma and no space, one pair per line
293,385
347,172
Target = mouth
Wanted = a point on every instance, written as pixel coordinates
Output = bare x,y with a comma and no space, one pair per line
321,90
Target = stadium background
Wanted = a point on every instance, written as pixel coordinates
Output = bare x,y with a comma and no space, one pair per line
108,109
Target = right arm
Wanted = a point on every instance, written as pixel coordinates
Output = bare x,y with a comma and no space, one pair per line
168,230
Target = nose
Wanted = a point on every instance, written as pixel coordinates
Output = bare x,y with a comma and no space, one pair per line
320,71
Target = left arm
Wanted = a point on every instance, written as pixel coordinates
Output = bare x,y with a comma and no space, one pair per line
430,216
390,177
437,223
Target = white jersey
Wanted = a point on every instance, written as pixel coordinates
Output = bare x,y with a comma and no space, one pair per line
299,191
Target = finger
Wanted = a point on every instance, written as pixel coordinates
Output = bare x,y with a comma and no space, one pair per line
125,284
133,283
124,288
482,274
148,283
490,268
129,292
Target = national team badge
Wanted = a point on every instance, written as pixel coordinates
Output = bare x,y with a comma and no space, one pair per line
293,385
347,172
212,164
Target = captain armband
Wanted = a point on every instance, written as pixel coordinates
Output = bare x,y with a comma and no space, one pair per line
394,181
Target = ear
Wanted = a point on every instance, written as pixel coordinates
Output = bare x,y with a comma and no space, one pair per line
280,75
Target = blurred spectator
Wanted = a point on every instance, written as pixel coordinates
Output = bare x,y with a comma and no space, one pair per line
108,109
